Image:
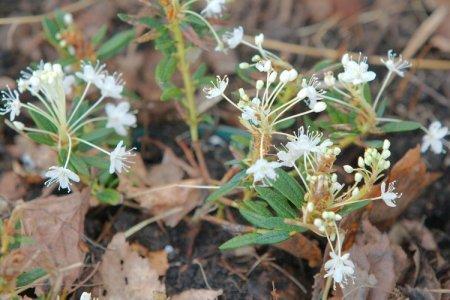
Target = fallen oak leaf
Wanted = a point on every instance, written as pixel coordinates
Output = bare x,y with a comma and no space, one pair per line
56,225
126,275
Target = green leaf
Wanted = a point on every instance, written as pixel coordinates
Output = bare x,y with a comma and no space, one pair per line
240,241
41,138
367,93
50,30
352,207
322,64
285,125
115,44
227,187
400,126
272,237
381,107
267,222
79,165
375,143
277,201
97,134
165,70
42,122
171,93
109,196
27,278
289,187
97,161
258,207
99,35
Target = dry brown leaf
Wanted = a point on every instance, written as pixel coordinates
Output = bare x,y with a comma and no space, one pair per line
302,247
12,186
126,275
135,179
411,176
160,199
158,259
200,294
56,225
168,171
379,264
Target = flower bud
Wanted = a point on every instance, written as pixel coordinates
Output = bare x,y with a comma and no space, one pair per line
329,79
244,65
386,144
284,76
19,125
259,84
337,217
386,165
358,177
360,162
317,222
272,77
319,107
348,169
333,177
259,39
310,207
385,154
355,192
336,151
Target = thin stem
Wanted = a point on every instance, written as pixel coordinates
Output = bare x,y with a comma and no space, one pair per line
49,109
286,106
86,112
388,120
92,145
188,3
341,92
36,109
293,117
231,102
79,102
383,87
340,102
87,122
301,176
69,151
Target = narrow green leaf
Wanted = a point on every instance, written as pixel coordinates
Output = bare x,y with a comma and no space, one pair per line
227,187
289,187
97,161
400,126
272,237
240,241
367,93
109,196
50,30
27,278
258,207
99,35
381,107
165,70
267,222
325,63
41,138
115,44
97,134
277,201
171,93
42,122
79,165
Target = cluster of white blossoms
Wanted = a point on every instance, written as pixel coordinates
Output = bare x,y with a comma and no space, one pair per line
434,138
49,84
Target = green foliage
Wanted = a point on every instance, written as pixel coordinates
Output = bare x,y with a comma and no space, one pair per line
289,188
109,196
115,44
227,187
27,278
400,126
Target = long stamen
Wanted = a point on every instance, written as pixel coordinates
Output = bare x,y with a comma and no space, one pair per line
79,102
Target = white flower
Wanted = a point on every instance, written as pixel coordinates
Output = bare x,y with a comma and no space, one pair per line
12,104
119,117
62,176
396,66
262,169
389,196
68,82
233,38
287,158
85,296
94,74
111,86
434,137
213,8
264,65
68,19
217,89
118,158
310,90
355,72
339,268
329,79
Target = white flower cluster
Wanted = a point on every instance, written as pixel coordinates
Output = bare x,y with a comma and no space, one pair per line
434,138
50,84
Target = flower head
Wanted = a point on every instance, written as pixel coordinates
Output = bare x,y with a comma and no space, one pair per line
119,158
62,176
288,75
119,117
389,196
249,115
340,268
233,38
355,72
111,86
396,65
434,137
310,90
85,296
214,8
262,169
12,103
94,74
217,89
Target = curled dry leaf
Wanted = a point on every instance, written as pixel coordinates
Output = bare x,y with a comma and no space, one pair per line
200,294
56,226
126,275
411,176
168,171
158,259
302,247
